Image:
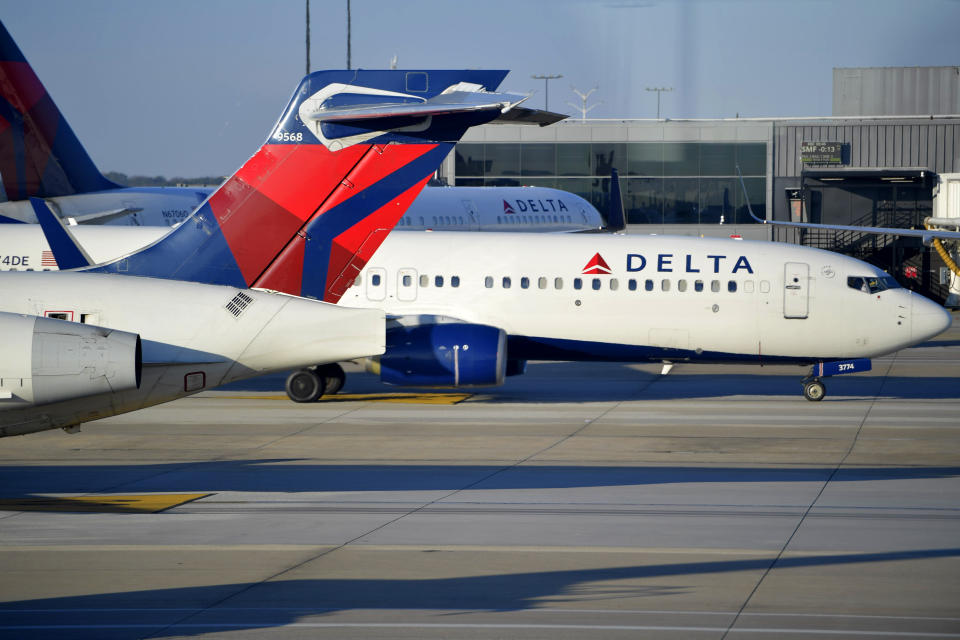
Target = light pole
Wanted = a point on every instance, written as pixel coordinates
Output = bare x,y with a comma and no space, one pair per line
546,88
659,90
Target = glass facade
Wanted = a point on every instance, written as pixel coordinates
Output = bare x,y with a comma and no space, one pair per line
661,182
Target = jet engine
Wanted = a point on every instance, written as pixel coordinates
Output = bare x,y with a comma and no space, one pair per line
43,360
443,354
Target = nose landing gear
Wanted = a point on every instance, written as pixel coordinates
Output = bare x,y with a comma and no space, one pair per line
814,389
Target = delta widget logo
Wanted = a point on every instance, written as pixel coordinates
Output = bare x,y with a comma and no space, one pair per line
596,266
507,208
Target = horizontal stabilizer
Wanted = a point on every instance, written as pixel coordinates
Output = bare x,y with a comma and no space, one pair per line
443,104
524,115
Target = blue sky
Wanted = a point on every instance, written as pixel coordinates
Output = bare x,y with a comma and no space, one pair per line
192,87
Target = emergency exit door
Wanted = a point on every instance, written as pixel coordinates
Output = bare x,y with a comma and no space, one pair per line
796,295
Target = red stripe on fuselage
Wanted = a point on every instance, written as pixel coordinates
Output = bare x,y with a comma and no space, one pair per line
353,248
23,88
377,165
299,177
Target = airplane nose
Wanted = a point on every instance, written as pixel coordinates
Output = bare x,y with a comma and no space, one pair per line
927,319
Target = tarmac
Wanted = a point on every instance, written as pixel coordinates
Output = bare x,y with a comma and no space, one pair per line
577,501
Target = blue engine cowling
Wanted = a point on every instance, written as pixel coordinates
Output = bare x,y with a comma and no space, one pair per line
444,355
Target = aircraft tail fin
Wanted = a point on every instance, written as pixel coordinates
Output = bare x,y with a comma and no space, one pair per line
66,250
616,218
348,155
39,154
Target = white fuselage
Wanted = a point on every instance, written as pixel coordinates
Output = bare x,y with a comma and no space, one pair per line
194,337
693,298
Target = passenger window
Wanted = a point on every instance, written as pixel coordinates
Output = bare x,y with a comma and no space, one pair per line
614,285
596,284
454,281
715,286
488,282
732,286
764,286
648,285
424,280
665,285
558,283
524,282
407,281
577,283
541,283
506,282
632,284
375,279
698,285
438,281
434,220
748,286
499,220
681,285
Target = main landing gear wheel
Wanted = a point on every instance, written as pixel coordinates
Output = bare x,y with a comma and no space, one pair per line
333,378
304,386
814,390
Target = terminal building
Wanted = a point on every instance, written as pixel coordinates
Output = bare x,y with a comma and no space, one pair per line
876,161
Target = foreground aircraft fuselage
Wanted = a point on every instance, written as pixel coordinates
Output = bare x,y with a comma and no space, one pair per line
78,347
514,297
636,298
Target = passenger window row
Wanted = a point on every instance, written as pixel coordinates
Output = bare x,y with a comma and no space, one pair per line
613,284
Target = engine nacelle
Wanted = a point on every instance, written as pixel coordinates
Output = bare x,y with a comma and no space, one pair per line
43,360
454,354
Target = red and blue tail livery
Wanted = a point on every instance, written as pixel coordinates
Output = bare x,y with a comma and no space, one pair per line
348,155
39,154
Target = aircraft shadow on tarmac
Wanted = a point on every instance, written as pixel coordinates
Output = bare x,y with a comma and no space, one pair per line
293,476
197,610
616,382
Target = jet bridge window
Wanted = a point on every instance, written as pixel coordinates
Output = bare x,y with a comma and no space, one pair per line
872,284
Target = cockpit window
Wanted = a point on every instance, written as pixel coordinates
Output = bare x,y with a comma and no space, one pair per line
872,284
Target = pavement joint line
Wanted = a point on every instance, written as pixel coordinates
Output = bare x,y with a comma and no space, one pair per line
317,556
816,498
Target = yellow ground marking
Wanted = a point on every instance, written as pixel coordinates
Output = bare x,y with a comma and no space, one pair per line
409,398
152,503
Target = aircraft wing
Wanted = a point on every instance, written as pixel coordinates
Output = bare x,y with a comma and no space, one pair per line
928,235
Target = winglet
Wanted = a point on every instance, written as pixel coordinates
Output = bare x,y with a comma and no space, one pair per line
66,251
616,219
746,199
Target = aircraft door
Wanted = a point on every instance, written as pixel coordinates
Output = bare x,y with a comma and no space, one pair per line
407,285
796,294
376,284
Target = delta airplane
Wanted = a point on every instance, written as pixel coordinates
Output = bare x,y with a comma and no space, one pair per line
350,152
40,156
470,309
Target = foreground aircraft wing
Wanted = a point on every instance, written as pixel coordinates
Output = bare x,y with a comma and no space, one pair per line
928,235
